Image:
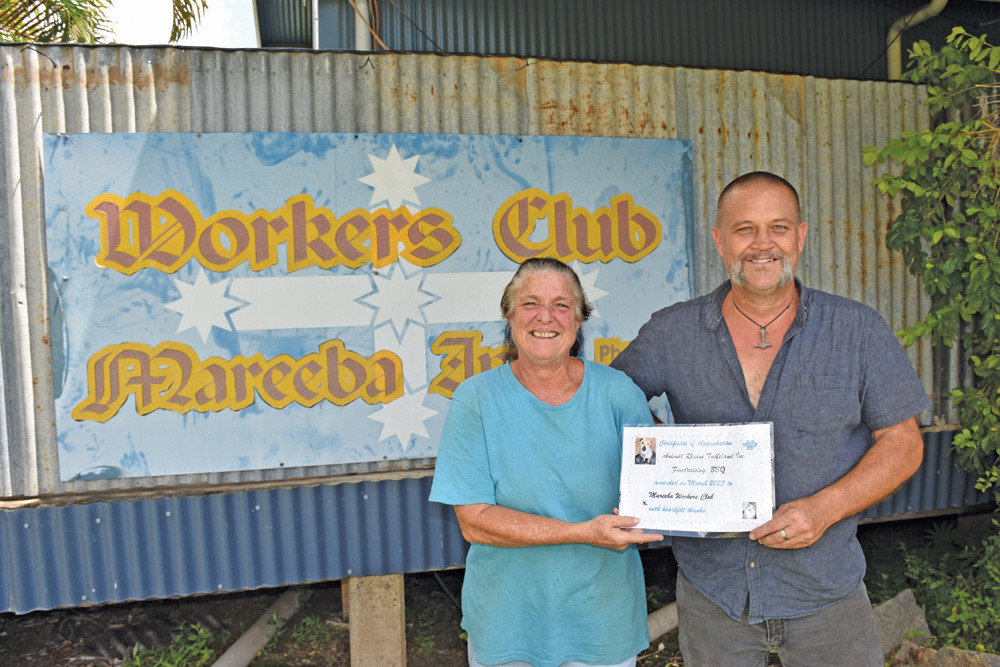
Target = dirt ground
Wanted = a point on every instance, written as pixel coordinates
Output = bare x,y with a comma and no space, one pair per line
104,636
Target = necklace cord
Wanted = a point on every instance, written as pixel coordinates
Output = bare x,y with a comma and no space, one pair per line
763,327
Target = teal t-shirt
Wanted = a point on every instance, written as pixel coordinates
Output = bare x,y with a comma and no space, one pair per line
501,445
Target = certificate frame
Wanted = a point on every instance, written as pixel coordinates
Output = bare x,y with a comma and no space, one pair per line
698,480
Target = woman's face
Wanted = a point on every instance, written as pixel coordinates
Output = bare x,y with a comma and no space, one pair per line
544,321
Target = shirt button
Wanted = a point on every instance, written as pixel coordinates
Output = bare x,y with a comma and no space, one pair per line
752,564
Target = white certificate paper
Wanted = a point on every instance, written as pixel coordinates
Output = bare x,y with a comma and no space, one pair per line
707,480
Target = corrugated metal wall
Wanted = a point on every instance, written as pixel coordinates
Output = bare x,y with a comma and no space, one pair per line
938,485
163,547
285,24
828,38
809,130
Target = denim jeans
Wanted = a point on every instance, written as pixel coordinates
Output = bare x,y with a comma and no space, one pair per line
520,663
843,634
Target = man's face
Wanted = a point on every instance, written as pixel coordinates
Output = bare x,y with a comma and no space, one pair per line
759,236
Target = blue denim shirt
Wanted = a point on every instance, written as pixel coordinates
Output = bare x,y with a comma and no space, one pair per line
839,375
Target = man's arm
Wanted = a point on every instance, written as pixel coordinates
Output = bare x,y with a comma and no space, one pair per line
893,458
504,527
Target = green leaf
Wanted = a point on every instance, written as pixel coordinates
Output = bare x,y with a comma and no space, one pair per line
870,155
956,32
946,182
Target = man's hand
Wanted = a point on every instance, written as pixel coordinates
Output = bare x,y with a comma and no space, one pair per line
794,525
892,459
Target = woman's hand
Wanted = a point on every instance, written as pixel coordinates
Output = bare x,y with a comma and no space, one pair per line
617,532
504,527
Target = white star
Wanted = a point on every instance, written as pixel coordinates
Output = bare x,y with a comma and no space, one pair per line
394,179
397,299
203,305
404,418
589,283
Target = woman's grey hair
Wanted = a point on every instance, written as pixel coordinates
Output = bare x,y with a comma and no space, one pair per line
531,267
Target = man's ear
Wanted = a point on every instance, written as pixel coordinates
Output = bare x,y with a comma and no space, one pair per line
717,237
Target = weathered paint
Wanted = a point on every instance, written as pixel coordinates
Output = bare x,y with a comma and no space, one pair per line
57,553
809,130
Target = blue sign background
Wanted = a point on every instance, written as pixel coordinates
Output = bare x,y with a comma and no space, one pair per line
401,306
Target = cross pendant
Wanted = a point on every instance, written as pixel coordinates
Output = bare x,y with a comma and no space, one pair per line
763,344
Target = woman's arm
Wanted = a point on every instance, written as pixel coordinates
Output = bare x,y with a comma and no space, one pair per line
503,527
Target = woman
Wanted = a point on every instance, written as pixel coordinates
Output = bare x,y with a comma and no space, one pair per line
530,458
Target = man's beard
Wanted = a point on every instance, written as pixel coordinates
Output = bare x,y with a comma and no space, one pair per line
739,278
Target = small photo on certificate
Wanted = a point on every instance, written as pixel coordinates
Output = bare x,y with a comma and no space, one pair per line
708,480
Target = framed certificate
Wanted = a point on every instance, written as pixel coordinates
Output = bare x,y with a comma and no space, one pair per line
705,480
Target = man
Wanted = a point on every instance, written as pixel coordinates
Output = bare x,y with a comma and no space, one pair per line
830,375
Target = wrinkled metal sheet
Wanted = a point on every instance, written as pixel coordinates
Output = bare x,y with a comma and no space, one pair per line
834,38
284,23
56,89
809,130
156,548
163,547
806,129
938,486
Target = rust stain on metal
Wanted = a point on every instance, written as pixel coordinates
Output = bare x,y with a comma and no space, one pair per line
791,92
17,76
864,241
890,212
8,74
565,98
142,73
512,71
624,122
587,114
165,75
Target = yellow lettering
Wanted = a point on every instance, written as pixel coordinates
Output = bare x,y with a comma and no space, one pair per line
621,230
465,356
606,349
171,377
166,232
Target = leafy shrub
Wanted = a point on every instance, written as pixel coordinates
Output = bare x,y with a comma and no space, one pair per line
948,182
189,648
960,592
955,577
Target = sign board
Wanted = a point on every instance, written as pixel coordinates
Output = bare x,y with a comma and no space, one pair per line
246,301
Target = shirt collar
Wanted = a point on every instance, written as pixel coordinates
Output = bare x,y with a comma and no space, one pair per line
713,310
